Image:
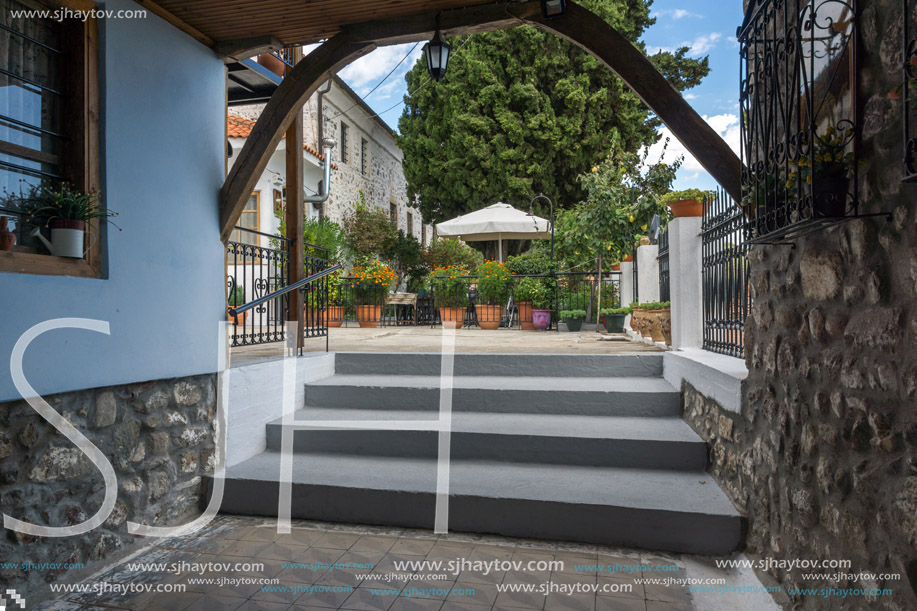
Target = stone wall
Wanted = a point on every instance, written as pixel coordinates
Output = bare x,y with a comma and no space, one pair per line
823,457
159,438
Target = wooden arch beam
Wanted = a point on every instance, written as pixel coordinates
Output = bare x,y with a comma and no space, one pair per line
591,33
580,26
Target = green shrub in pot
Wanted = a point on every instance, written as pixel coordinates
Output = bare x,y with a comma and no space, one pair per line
613,318
573,318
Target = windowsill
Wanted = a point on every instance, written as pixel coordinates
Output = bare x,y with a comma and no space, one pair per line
12,262
716,376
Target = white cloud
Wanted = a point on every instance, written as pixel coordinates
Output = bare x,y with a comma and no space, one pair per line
690,96
726,125
703,44
677,13
364,73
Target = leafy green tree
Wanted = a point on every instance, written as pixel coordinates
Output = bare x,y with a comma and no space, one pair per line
523,111
368,232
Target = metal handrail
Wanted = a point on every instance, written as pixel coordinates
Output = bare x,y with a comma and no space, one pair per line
287,289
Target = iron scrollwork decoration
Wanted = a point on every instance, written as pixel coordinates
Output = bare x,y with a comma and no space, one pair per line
909,89
799,121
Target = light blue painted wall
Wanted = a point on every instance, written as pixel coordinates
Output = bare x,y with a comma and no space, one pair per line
163,157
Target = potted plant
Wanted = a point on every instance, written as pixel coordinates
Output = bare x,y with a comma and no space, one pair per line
449,286
574,319
492,281
689,202
826,172
542,300
236,298
66,212
522,295
616,267
336,294
655,315
613,319
372,281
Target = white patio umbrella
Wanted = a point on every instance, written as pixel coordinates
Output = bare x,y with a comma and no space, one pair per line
497,222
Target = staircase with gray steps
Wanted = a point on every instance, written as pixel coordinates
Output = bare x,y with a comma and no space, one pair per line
566,447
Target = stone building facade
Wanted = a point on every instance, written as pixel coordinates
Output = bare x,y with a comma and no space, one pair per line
158,436
366,159
822,459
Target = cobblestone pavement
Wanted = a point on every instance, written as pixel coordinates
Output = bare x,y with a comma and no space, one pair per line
329,566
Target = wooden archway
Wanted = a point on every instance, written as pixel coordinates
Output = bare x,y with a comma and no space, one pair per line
580,26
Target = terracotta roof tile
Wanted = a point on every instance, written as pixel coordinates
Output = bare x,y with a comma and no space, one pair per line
238,127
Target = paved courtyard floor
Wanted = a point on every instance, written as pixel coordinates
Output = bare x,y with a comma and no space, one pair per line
426,339
241,563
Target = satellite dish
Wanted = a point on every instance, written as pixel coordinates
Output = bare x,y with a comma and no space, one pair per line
654,229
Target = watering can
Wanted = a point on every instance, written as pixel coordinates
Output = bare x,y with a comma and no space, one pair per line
67,238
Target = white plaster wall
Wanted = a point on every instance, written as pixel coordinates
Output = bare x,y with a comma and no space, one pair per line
685,282
647,273
256,398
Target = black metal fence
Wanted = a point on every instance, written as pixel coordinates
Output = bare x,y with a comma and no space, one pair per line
799,116
636,276
725,276
352,304
257,264
663,259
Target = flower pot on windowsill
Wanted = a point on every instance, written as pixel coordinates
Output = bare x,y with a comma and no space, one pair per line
452,316
616,267
7,237
488,316
68,238
541,319
525,315
686,207
830,196
369,315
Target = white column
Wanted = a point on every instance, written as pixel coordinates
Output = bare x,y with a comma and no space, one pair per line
685,282
648,273
627,283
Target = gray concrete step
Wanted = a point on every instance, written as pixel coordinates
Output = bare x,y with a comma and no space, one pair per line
586,396
651,509
647,443
529,365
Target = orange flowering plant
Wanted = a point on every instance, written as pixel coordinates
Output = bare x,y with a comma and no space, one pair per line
493,278
449,286
372,281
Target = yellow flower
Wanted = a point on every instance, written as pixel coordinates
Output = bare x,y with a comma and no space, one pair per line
595,169
632,219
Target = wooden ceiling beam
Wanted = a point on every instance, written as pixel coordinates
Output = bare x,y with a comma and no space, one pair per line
178,23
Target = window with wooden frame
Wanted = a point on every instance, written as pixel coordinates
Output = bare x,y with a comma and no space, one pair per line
393,213
345,151
49,109
249,219
410,230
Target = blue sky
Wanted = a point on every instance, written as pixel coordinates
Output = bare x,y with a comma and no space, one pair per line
706,26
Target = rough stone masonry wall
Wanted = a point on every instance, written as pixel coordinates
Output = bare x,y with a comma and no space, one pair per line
823,457
159,438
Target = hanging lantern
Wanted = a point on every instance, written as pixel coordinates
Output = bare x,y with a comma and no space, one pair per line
437,53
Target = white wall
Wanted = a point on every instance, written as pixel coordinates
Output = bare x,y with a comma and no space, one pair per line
163,150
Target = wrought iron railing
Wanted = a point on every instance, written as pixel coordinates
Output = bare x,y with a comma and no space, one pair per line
636,277
725,275
257,272
909,89
799,116
663,259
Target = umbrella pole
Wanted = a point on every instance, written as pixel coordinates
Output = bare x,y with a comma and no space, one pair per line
500,247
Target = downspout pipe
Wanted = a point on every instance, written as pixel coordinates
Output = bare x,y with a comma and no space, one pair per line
320,112
328,145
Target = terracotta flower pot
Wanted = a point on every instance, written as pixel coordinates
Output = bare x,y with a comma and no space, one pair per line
635,318
686,207
368,315
541,319
488,316
616,267
452,316
7,237
525,315
627,259
336,316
